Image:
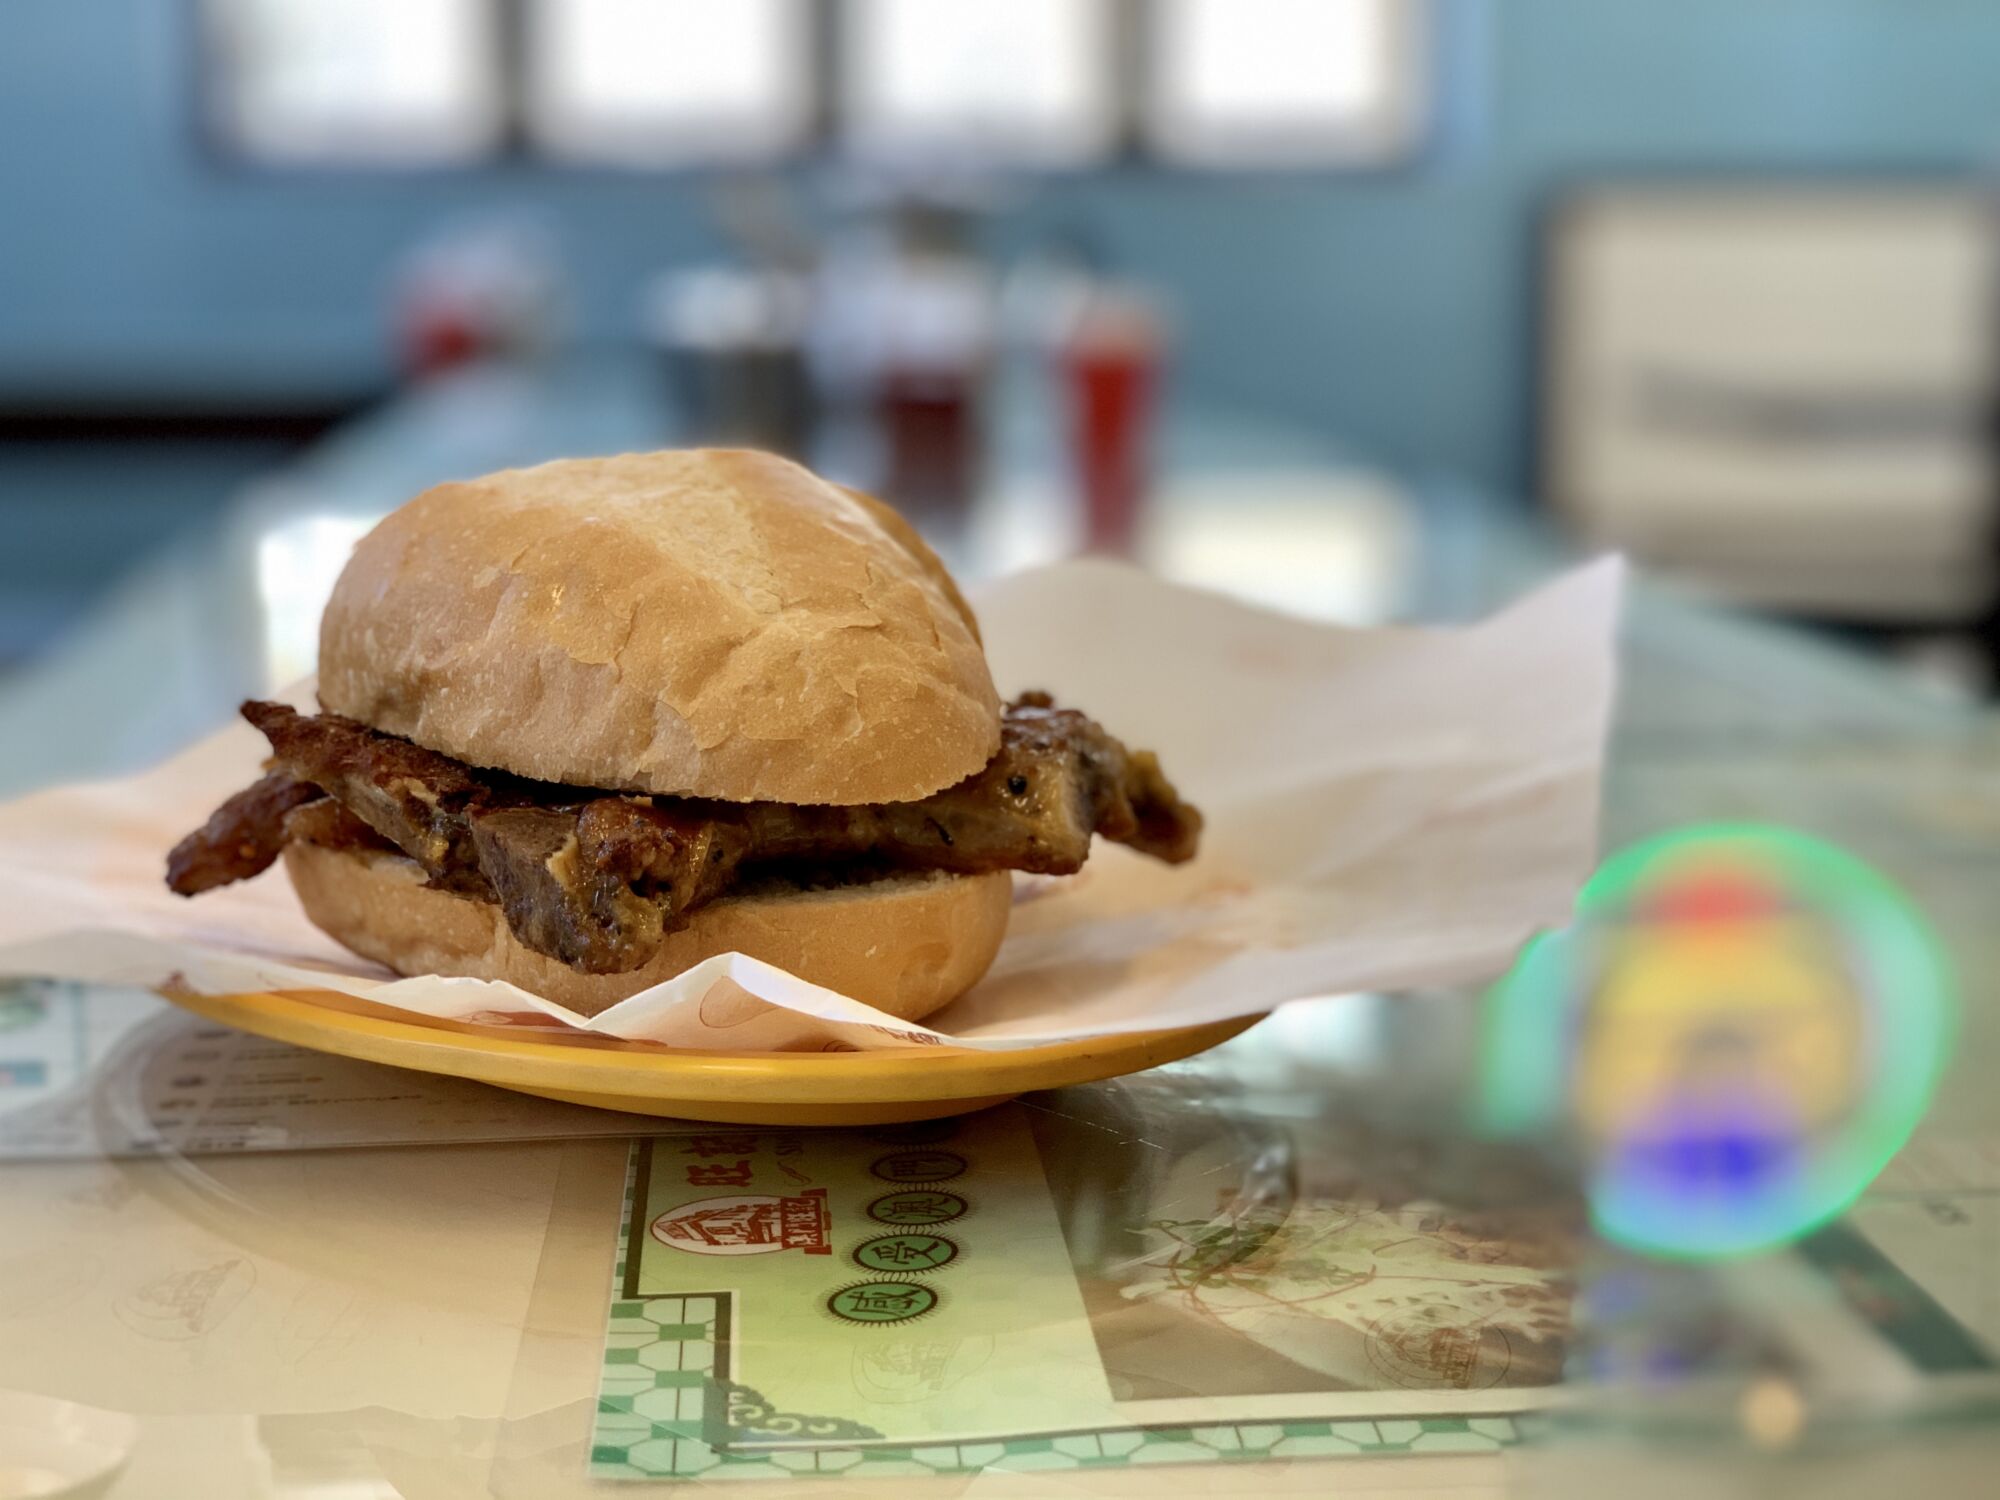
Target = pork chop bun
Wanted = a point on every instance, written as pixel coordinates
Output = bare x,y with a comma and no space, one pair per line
588,724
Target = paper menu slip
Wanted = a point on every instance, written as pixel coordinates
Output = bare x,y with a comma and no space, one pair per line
1224,1286
931,1299
947,1257
87,1071
1386,809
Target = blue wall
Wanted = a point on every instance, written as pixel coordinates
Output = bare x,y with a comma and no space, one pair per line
1389,309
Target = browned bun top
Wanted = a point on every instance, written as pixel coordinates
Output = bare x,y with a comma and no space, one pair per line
907,945
710,622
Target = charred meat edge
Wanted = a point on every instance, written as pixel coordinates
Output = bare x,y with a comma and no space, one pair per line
598,878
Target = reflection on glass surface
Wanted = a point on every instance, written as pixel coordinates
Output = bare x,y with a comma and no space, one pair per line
57,1448
298,562
1323,544
94,1071
1226,1254
1744,1024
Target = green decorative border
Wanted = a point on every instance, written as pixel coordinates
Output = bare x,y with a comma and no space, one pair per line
663,1411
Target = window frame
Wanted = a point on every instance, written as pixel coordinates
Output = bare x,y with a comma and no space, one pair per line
1421,61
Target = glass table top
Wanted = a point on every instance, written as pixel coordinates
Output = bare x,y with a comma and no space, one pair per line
1301,1262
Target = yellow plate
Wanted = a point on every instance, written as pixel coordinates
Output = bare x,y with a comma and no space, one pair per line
738,1088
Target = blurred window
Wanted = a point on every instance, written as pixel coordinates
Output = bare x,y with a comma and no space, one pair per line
669,82
389,82
1273,83
662,83
1028,82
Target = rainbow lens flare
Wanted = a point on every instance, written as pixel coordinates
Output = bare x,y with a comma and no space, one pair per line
1742,1023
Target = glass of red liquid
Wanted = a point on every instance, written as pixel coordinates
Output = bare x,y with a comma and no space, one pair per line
1112,367
930,421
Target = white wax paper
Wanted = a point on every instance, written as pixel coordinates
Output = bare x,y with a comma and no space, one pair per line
1387,809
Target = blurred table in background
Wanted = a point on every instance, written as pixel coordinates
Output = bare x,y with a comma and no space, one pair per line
1268,512
428,1321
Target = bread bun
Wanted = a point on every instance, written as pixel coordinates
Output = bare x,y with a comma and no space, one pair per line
905,945
711,623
